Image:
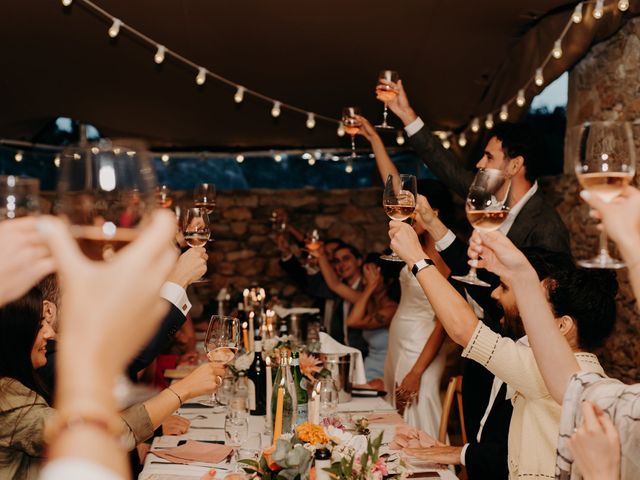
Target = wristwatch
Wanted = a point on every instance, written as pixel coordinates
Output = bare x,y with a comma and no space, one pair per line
421,265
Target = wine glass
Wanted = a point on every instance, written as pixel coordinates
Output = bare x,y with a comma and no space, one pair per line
606,163
19,197
278,220
386,93
106,193
399,201
486,209
221,344
195,226
351,125
164,196
204,196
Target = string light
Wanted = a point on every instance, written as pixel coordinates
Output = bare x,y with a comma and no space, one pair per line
462,140
66,3
56,161
311,161
598,10
239,158
311,121
159,56
446,143
521,99
341,130
576,17
114,30
202,76
504,113
400,138
557,49
165,158
475,125
239,95
349,167
18,156
275,110
623,5
277,157
488,123
539,78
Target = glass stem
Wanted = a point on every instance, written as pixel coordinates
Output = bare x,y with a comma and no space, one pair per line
384,115
472,272
353,146
604,249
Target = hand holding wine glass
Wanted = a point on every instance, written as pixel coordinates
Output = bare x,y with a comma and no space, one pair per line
221,342
399,201
351,122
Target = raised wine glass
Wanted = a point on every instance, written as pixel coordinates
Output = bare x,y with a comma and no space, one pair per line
486,209
386,93
164,196
19,197
221,344
195,226
399,201
204,196
106,193
351,125
606,163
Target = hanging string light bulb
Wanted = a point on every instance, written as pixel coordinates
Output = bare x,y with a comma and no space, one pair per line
239,158
114,30
521,99
165,158
202,76
56,161
557,49
623,5
66,3
488,123
18,157
239,95
446,143
475,125
159,56
462,140
576,17
311,161
311,121
275,110
341,130
539,78
504,113
598,10
349,167
277,157
400,138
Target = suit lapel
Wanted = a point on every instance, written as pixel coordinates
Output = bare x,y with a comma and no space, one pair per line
526,219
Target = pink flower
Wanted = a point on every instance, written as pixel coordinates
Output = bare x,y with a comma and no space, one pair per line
309,365
380,467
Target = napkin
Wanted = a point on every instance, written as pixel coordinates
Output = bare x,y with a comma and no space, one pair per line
391,418
285,312
330,345
409,437
194,451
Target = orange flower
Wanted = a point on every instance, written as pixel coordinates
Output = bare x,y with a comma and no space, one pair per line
313,434
309,365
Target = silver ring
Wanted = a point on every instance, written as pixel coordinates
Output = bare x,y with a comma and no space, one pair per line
218,380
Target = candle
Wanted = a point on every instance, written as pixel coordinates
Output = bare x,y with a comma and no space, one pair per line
245,336
245,298
314,405
277,426
252,332
267,360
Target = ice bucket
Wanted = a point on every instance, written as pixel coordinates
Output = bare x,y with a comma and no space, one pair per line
341,367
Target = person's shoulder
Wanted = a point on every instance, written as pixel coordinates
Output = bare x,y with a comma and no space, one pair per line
15,394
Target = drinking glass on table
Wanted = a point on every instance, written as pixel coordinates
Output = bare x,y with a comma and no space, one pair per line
19,197
106,194
399,201
236,424
386,92
605,164
251,448
221,343
351,125
328,397
486,209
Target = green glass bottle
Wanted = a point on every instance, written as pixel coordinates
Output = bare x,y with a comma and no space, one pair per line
285,378
301,392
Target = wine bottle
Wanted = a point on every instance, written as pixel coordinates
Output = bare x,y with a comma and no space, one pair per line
257,382
284,377
302,396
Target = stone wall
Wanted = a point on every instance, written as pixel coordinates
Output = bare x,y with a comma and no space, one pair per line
605,85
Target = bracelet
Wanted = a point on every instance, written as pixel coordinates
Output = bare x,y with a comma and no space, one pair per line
176,394
60,422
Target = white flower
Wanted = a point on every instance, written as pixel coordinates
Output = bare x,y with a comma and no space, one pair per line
270,344
336,434
358,443
243,362
341,451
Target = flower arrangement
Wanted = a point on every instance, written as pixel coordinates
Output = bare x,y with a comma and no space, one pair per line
242,363
312,434
310,366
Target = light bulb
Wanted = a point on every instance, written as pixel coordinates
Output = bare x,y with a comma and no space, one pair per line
239,158
311,120
56,161
159,56
400,138
277,157
239,95
623,5
557,49
202,76
598,10
475,125
539,78
446,143
349,167
521,99
576,17
165,158
66,3
275,110
462,140
311,161
18,157
489,121
114,30
341,131
504,113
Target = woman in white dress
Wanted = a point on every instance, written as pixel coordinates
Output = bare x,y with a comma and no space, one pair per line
415,360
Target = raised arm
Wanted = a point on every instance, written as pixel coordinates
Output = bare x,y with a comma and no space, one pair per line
333,282
385,166
359,317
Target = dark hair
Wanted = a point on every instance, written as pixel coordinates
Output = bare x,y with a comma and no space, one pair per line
439,197
49,288
354,251
587,296
20,322
390,272
518,140
333,240
546,262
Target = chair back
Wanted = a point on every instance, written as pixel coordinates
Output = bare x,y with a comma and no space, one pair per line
454,391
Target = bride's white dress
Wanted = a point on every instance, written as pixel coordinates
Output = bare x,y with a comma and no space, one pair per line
410,329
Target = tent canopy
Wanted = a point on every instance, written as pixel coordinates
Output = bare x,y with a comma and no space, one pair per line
458,59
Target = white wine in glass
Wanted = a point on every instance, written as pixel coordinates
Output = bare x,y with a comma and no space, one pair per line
605,165
221,344
399,201
204,196
195,227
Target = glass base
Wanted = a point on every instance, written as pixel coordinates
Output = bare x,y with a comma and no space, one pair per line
471,279
602,260
385,126
391,258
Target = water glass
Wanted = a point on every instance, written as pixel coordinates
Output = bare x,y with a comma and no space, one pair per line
328,397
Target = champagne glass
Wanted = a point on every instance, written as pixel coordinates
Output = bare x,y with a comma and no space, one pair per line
164,197
351,125
204,196
106,193
386,93
486,209
19,197
221,344
399,201
606,163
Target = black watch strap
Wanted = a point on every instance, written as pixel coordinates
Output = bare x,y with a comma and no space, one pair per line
421,265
